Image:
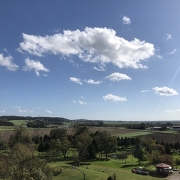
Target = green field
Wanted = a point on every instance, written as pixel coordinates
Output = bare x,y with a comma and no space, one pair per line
101,170
134,134
18,122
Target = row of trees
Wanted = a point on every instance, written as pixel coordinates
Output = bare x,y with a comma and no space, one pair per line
58,142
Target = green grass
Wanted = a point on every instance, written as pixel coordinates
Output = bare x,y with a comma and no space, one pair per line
18,122
133,134
101,170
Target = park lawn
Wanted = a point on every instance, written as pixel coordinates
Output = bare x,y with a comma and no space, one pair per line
18,122
134,134
100,170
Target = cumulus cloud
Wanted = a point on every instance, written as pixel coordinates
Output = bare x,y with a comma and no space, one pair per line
172,51
91,81
165,91
168,36
76,80
95,45
126,20
118,77
48,111
172,111
82,102
34,66
7,62
114,98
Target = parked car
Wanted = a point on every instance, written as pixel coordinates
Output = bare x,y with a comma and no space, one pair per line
140,170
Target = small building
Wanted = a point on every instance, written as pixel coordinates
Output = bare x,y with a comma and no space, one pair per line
176,128
163,168
156,128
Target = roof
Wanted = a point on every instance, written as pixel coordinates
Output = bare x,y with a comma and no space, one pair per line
163,165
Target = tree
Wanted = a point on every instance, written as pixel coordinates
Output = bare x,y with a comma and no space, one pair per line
65,145
25,165
138,153
59,133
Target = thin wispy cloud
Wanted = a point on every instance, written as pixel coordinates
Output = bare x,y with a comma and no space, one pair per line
118,77
126,20
82,102
96,45
76,80
8,63
32,65
168,36
114,98
159,56
144,91
172,51
3,111
91,81
48,111
165,91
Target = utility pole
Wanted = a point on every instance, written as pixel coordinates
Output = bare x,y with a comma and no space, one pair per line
80,172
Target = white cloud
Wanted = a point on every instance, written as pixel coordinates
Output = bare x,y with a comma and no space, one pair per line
3,111
7,62
48,111
144,91
172,111
74,101
165,91
95,45
159,56
118,77
22,111
172,51
35,66
91,81
82,102
114,98
126,20
101,68
76,80
169,36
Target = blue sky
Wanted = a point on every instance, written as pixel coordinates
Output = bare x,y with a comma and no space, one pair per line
108,60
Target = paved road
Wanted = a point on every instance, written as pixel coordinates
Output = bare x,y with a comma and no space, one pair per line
174,176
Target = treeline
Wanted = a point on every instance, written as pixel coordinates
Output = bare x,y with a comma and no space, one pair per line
6,123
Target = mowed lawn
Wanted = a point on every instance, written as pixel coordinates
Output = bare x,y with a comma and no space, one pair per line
18,122
100,170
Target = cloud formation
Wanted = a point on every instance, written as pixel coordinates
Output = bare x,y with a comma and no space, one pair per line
114,98
172,51
34,66
48,111
76,80
165,91
7,62
118,77
82,102
126,20
91,81
169,36
95,45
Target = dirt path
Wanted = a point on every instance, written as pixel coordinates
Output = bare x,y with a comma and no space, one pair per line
174,176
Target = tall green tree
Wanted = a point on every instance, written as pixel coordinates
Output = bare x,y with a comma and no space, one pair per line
138,153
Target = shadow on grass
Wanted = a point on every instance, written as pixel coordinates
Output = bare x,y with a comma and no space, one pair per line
158,175
129,165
